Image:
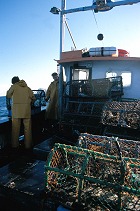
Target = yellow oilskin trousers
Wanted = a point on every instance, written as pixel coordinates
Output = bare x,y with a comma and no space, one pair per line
16,123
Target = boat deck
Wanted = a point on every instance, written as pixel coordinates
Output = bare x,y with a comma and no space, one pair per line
22,185
23,178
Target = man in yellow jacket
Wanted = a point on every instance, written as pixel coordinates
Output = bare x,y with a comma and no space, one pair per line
22,97
52,97
51,114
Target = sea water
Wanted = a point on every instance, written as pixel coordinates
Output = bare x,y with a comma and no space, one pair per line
3,114
3,109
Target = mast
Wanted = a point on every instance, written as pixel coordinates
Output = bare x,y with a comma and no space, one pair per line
62,29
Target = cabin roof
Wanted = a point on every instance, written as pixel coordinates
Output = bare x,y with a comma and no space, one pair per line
77,56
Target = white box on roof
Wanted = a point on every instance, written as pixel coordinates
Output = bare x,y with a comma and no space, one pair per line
102,51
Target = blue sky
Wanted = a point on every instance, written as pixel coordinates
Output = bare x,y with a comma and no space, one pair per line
29,36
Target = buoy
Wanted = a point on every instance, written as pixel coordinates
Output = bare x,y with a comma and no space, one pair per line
100,37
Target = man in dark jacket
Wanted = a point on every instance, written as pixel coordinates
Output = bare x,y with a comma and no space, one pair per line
22,97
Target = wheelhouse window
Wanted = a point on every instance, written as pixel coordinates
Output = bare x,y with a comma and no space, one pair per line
126,78
81,74
110,74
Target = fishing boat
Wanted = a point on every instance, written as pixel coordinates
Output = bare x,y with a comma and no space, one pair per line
83,163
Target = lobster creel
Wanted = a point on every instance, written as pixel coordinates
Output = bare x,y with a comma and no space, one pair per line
92,180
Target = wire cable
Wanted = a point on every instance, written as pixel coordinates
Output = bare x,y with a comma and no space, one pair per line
97,25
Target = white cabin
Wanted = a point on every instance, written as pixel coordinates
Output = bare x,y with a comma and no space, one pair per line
77,65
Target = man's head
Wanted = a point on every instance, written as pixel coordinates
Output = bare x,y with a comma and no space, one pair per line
15,79
55,76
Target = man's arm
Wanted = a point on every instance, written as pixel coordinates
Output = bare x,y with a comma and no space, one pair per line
9,93
32,96
48,93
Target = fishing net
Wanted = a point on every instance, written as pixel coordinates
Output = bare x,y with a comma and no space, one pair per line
94,180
